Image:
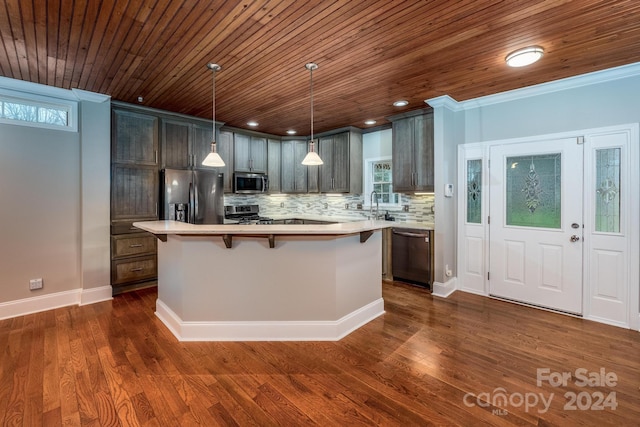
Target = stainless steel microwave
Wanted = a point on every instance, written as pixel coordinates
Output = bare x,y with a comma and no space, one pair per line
248,183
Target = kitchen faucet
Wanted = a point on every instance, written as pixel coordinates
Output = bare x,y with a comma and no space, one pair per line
371,204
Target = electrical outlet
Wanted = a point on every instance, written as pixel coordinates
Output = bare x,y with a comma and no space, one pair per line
346,206
282,204
35,284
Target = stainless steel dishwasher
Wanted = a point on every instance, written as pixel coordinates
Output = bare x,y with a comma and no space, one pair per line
412,256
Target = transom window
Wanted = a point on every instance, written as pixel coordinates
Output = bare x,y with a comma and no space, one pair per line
34,112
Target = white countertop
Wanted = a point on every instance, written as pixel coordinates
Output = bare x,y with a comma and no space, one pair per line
176,227
344,219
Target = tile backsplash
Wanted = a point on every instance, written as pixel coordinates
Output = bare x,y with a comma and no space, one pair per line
420,206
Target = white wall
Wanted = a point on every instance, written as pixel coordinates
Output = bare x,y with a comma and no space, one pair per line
376,144
40,215
95,141
54,198
589,106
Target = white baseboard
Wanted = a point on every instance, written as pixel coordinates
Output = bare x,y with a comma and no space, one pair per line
443,290
607,321
46,302
474,291
31,305
94,295
268,330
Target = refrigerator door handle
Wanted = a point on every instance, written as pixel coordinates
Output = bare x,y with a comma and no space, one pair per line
192,204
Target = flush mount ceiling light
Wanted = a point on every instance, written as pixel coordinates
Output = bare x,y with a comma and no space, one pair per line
291,132
252,123
369,122
312,158
401,103
525,56
213,159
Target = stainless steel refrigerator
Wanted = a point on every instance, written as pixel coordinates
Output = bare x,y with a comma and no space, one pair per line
192,196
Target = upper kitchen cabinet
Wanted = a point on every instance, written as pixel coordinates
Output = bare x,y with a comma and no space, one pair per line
250,153
293,172
412,152
273,165
137,137
176,144
342,168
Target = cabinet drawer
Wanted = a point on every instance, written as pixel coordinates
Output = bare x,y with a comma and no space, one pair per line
132,244
126,226
133,269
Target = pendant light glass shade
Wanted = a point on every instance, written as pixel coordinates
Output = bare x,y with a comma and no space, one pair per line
312,158
213,159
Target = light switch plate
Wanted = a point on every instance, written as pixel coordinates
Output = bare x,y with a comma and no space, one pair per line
448,190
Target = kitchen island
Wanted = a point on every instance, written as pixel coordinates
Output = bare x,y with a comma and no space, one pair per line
267,282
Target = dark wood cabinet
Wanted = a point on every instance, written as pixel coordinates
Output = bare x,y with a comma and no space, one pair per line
176,145
134,192
273,165
412,152
294,173
137,138
250,153
342,168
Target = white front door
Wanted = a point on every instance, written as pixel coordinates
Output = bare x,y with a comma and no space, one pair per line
536,224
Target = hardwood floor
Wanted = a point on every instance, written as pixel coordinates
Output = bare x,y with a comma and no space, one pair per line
426,361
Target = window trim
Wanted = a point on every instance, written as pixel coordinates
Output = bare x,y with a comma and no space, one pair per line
368,183
71,108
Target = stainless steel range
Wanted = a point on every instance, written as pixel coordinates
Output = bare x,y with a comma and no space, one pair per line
246,214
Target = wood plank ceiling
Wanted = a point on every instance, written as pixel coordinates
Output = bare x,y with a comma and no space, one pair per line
370,52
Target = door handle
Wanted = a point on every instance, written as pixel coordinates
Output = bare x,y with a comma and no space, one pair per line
574,238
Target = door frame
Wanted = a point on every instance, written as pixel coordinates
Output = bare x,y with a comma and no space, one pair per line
478,282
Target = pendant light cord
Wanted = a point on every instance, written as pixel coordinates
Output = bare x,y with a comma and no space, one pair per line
213,103
311,86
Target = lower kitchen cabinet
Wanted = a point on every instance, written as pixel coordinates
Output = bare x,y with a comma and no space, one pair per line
133,261
130,271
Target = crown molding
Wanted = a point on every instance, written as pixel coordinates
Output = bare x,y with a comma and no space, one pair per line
85,95
444,101
611,74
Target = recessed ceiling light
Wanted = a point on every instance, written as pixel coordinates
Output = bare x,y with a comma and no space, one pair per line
400,103
525,56
369,122
291,132
252,123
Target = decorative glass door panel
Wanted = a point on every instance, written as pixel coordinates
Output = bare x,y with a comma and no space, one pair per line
474,191
536,231
607,218
534,190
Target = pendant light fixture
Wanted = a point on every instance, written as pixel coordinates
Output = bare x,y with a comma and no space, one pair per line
213,159
312,158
